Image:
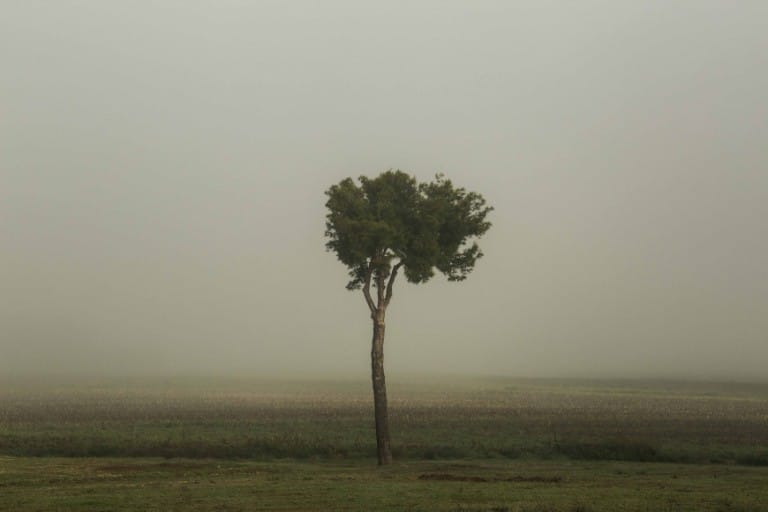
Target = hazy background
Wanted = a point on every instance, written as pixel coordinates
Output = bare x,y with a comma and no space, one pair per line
162,169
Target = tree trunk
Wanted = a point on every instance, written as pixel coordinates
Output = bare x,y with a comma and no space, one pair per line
380,391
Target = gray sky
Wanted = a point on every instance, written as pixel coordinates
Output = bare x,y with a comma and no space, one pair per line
162,168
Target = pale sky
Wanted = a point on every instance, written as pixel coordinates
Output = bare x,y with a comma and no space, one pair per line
163,163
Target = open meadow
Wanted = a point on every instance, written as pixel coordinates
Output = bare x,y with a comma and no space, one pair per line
459,445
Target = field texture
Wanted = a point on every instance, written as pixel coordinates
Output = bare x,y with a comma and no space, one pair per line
485,444
499,486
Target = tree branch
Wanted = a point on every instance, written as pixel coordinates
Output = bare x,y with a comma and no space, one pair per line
380,289
367,289
391,282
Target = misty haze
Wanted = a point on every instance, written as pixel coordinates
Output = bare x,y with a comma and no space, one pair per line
163,178
163,170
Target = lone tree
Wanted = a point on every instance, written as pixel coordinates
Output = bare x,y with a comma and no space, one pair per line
390,223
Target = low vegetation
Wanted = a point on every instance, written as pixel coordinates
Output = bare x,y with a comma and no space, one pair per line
45,484
501,419
477,445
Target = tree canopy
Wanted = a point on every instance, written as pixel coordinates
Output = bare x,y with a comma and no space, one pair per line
382,224
392,220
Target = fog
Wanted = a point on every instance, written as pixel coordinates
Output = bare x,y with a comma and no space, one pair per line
162,169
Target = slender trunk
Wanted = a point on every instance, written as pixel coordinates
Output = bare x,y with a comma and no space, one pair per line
380,390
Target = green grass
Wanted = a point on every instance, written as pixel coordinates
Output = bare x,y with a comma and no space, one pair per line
495,418
460,445
155,484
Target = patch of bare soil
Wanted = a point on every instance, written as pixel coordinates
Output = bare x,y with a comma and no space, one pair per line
165,466
447,477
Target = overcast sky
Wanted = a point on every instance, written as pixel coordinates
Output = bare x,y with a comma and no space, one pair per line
162,169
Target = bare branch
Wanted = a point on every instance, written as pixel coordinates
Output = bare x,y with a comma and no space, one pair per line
380,288
367,289
391,282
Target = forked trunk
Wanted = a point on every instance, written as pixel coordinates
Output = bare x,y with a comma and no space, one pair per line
380,391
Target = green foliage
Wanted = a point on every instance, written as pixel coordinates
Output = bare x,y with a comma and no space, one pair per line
424,226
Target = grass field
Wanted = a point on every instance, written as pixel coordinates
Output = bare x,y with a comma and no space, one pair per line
460,445
535,486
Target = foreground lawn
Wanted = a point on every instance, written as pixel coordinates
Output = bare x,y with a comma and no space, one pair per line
45,484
